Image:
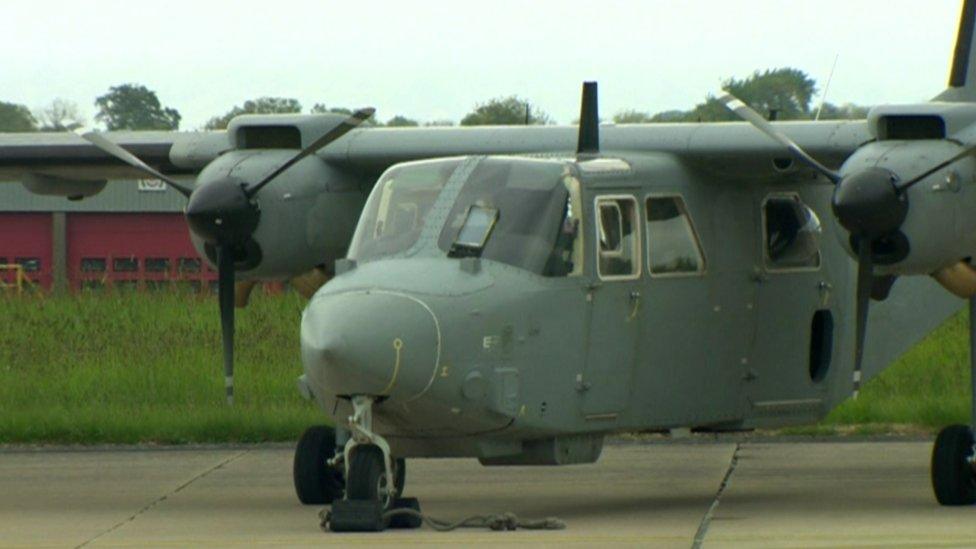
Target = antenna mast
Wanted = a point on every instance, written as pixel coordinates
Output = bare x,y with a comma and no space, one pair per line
823,98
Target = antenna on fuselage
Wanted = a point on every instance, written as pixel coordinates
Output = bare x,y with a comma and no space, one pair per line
589,123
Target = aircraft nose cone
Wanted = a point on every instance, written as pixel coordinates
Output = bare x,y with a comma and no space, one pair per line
370,343
219,211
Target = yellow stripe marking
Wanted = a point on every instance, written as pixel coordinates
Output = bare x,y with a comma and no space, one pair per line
397,345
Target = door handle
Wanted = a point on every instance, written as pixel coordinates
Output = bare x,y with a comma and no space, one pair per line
635,299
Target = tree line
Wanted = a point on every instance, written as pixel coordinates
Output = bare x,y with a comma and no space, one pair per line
782,94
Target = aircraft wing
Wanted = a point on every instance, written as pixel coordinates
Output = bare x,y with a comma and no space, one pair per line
731,148
69,156
727,146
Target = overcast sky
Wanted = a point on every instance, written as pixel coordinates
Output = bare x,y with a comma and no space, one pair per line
436,59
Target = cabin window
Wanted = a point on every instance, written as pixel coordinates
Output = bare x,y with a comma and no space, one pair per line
125,264
672,244
29,264
791,232
618,238
93,265
188,265
157,265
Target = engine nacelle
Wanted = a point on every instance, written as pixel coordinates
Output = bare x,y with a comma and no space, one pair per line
72,189
307,216
940,227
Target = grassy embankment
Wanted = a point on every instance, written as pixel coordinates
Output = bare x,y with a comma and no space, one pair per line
146,367
123,367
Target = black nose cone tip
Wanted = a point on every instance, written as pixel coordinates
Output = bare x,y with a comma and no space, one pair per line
220,211
868,203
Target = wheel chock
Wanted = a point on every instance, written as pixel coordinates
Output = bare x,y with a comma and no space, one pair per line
404,520
350,515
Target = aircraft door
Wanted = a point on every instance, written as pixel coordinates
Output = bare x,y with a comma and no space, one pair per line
614,297
795,342
730,246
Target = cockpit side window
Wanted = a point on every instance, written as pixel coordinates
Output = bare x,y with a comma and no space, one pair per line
618,237
791,230
397,208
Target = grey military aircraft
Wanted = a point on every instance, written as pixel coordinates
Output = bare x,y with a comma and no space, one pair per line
516,294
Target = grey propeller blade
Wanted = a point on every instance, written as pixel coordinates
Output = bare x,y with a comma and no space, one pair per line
225,299
343,128
108,147
749,115
865,281
965,152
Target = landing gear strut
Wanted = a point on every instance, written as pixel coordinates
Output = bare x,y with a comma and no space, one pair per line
374,479
954,455
370,468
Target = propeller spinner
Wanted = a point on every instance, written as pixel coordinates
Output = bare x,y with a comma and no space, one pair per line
225,214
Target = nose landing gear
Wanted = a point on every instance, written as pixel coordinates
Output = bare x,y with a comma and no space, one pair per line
369,463
374,479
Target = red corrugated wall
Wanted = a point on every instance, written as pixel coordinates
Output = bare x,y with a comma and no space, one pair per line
25,238
137,250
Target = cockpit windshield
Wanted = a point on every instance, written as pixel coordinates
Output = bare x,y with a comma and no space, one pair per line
397,208
522,212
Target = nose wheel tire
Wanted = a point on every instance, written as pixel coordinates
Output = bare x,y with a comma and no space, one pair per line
316,482
953,477
367,477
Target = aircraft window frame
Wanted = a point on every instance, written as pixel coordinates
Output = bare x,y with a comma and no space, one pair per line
692,230
636,247
768,263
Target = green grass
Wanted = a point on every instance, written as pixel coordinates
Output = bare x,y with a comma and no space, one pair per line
125,367
928,386
146,367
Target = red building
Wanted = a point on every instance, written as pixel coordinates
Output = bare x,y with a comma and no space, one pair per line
131,235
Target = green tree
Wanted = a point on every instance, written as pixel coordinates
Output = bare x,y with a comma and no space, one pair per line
261,105
135,107
787,91
674,116
16,118
402,121
505,111
847,111
320,108
60,116
632,117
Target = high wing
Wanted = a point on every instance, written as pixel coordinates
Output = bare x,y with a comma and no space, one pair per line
732,148
735,148
68,156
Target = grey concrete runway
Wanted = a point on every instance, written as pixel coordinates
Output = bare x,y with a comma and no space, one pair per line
869,494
